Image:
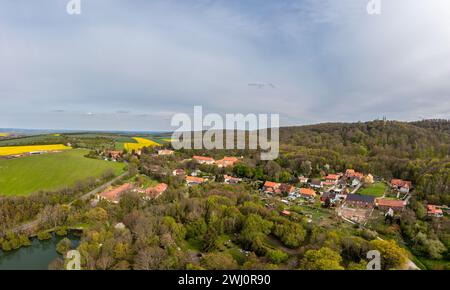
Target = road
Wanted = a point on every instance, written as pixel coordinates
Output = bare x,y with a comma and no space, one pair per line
27,227
88,195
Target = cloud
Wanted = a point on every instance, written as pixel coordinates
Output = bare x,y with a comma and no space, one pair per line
327,60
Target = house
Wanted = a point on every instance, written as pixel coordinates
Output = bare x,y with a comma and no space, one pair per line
331,196
115,154
227,162
352,174
192,180
270,187
114,195
204,160
303,179
316,183
359,200
231,180
307,193
286,188
178,172
401,185
331,179
434,210
355,182
165,152
386,204
156,191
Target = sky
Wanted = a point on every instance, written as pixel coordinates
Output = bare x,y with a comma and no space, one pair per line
132,65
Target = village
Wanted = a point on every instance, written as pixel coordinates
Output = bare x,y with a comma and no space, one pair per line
355,197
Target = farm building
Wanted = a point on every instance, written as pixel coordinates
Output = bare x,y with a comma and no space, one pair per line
386,204
204,160
401,185
114,195
193,180
361,201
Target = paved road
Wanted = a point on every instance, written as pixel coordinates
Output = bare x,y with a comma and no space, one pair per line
26,227
100,188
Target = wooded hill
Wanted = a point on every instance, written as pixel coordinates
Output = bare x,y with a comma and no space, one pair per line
417,151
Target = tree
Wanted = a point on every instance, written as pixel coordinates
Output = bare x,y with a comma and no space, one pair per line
291,234
322,259
276,256
391,254
306,167
254,231
219,261
97,214
151,258
64,246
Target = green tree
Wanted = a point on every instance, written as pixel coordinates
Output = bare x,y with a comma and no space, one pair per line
219,261
392,255
322,259
291,234
64,246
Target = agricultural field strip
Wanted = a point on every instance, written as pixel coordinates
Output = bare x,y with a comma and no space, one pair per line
13,150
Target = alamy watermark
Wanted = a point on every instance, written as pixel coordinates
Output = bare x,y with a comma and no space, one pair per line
74,7
374,7
374,257
207,132
73,260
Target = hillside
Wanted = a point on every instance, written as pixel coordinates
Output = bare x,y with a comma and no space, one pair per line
416,151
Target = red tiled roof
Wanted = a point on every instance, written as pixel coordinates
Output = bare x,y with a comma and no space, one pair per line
271,184
115,193
390,203
307,191
401,183
195,179
332,177
231,159
203,158
433,209
157,190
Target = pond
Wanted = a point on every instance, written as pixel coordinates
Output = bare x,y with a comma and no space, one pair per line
35,257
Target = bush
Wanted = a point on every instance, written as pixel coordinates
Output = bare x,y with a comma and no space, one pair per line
44,236
276,256
64,246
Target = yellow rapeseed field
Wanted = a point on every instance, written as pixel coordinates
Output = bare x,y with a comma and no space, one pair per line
4,134
14,150
141,143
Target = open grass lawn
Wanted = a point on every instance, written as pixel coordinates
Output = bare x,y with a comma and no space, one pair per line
377,189
50,171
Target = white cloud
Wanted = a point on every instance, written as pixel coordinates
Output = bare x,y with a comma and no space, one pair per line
329,60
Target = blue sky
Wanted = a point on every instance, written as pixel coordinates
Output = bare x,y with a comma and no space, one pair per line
130,65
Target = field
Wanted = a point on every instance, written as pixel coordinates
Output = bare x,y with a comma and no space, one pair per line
141,143
377,189
53,171
13,150
4,134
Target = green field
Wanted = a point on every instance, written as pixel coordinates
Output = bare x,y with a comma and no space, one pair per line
50,171
377,189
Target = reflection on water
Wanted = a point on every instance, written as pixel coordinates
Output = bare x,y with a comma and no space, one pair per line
35,257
